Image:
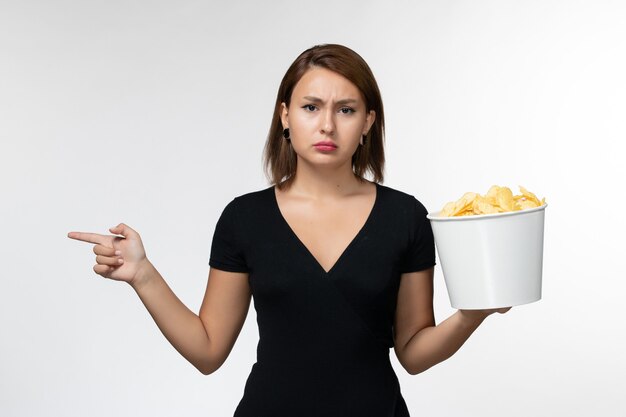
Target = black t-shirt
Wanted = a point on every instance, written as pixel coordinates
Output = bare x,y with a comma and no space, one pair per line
324,336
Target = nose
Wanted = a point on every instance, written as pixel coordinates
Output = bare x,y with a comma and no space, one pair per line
328,122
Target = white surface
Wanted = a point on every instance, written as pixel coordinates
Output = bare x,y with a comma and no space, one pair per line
491,260
155,113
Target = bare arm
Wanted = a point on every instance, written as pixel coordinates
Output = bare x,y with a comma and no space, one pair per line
419,343
206,339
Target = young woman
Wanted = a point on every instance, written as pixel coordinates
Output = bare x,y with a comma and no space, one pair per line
340,267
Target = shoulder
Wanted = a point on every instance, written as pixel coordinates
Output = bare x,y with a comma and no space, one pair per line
254,197
401,199
250,202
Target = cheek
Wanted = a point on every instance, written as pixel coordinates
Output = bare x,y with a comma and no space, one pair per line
303,120
353,124
302,126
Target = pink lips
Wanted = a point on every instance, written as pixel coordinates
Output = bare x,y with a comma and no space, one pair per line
325,146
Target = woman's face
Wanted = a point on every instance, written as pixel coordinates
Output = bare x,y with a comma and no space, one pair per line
326,107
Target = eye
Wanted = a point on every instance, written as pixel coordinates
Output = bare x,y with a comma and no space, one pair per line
309,107
347,110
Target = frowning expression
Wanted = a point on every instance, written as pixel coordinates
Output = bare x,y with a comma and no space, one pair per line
326,107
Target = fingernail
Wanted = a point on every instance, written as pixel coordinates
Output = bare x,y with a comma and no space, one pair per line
118,252
119,261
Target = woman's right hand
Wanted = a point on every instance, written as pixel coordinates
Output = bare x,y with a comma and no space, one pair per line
118,258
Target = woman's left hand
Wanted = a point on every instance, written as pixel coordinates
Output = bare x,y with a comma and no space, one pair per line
479,315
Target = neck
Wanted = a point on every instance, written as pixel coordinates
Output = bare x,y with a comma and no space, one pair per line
327,183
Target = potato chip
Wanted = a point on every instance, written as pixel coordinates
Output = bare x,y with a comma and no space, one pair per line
529,195
465,203
497,200
525,204
504,199
491,194
448,209
483,206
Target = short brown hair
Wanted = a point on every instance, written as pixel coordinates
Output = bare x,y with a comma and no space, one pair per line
279,158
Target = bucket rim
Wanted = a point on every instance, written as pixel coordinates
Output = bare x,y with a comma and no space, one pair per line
435,215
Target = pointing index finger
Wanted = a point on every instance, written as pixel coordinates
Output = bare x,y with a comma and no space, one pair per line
88,237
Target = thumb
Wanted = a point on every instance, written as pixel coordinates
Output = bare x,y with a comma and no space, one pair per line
122,229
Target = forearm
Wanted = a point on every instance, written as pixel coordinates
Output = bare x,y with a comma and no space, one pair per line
435,344
180,326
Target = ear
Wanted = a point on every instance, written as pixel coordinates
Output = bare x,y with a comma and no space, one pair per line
369,121
283,115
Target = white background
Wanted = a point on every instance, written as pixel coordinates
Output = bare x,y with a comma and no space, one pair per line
155,113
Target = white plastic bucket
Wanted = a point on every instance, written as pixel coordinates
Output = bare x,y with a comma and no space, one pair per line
491,260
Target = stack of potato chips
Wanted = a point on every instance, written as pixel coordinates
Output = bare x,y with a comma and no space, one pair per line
497,200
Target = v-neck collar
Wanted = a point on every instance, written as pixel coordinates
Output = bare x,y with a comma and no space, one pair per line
347,248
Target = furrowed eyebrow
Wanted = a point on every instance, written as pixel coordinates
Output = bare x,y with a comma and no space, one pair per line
340,102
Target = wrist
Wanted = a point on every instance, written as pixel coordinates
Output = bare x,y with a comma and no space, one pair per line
145,274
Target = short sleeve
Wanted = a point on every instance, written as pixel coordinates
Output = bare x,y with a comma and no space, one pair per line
226,248
420,253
